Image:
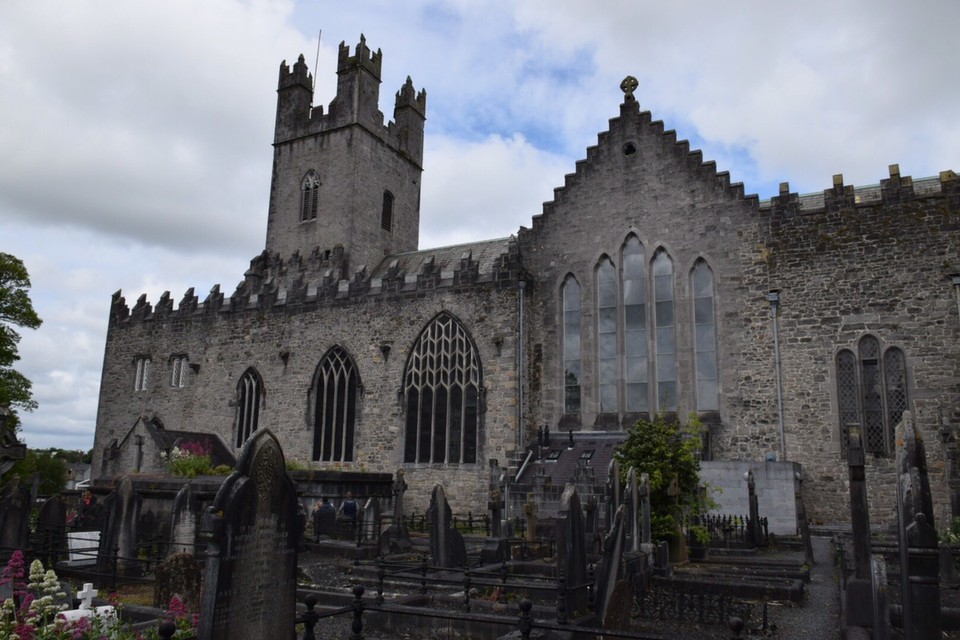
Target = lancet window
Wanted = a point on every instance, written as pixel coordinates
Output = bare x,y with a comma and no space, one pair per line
309,196
704,337
571,345
249,401
336,386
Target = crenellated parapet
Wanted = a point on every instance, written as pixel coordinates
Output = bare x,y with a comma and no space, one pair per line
272,283
356,103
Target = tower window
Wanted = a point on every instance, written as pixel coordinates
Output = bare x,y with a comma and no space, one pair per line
571,346
178,371
141,374
705,338
309,196
386,214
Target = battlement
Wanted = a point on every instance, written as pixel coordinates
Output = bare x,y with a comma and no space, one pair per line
894,190
318,279
299,76
363,59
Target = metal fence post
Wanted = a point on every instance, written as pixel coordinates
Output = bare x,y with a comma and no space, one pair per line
525,621
381,573
310,617
357,626
466,588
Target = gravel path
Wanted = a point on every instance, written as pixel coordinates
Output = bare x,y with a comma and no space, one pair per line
819,617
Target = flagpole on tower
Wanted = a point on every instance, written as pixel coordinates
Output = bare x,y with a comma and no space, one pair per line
317,61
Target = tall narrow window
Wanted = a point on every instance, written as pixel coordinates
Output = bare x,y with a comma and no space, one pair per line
178,371
607,335
335,389
386,214
571,345
249,399
665,340
636,372
309,196
871,393
141,374
442,385
705,337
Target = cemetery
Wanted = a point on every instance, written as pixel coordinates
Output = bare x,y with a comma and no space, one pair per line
244,556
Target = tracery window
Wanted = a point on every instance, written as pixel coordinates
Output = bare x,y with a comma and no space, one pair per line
335,389
442,383
309,196
249,400
571,345
871,393
178,371
665,336
141,374
704,337
386,213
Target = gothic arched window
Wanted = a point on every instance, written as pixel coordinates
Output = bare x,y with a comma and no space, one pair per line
704,337
309,196
636,374
571,345
249,399
665,336
441,387
335,388
871,393
386,213
607,360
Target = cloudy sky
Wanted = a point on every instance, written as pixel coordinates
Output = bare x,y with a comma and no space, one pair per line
135,136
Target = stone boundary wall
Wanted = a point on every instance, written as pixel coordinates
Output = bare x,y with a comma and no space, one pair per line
774,486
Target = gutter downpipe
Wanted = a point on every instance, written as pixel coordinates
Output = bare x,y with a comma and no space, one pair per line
520,372
773,297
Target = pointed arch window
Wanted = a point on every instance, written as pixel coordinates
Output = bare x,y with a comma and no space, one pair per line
386,212
571,345
336,385
309,196
665,336
607,360
141,374
871,393
635,349
249,401
704,337
442,385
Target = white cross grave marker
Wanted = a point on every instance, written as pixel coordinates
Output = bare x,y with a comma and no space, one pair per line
86,595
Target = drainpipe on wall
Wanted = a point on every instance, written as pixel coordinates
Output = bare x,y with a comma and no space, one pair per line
774,299
520,373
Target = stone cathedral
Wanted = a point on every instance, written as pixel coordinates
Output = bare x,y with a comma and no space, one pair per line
648,284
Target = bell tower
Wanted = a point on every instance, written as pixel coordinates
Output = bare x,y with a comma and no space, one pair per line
344,178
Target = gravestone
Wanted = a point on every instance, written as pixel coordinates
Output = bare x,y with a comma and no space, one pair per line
325,522
50,536
633,510
496,549
609,573
919,558
446,544
179,575
613,491
183,528
753,522
530,513
396,539
646,526
14,514
370,519
106,613
802,522
858,594
118,541
571,550
251,532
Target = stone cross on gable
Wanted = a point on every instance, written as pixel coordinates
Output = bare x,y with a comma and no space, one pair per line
86,595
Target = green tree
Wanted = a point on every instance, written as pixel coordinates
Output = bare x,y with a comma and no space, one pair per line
16,310
52,470
665,449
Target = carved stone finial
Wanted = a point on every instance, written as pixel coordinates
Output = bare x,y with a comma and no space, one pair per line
628,86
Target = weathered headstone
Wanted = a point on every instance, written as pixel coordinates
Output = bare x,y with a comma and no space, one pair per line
183,530
633,510
325,521
613,491
14,514
530,513
495,548
858,594
802,522
50,536
609,573
118,541
396,538
179,575
571,550
251,531
919,558
646,526
753,523
446,543
370,519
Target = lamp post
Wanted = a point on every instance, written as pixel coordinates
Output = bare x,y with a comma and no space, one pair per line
773,297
